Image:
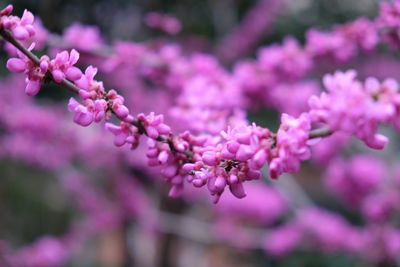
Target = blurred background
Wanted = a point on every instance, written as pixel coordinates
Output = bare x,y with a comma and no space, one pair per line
68,202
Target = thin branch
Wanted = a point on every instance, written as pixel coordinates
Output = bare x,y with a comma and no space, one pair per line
320,132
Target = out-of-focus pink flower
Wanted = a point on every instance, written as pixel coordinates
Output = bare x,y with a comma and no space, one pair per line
288,59
327,231
379,207
164,22
124,133
344,42
46,252
273,205
389,22
83,37
352,180
281,241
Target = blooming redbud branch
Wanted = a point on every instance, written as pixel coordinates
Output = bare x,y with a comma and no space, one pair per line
69,85
315,133
236,156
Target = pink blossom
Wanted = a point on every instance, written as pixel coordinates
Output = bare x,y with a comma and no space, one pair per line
86,82
88,112
379,207
274,204
21,28
35,74
389,22
288,59
124,133
154,124
283,240
353,179
326,230
292,145
46,252
62,66
355,108
83,37
344,42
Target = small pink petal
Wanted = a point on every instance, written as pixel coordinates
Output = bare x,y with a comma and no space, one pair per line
32,87
20,33
73,73
237,190
176,191
16,65
58,75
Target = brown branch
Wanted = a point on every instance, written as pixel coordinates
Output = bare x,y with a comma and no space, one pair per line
320,132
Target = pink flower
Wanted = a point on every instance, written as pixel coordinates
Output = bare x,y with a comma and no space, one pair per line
292,145
379,207
117,104
88,112
62,66
154,125
35,74
288,59
46,252
83,37
344,42
87,80
283,240
326,230
355,108
248,208
389,22
351,180
125,133
21,28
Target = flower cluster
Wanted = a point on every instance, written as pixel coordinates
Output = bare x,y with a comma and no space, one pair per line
352,180
242,150
292,145
356,108
208,142
59,68
97,103
83,38
245,149
344,41
254,25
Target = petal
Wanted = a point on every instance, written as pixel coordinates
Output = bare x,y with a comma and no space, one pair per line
32,87
237,190
16,65
73,73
